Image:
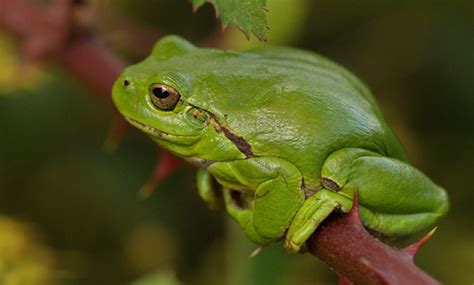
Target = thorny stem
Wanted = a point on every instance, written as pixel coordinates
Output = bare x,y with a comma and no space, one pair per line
341,241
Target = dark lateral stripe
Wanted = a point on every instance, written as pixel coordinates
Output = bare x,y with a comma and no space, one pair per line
242,145
239,142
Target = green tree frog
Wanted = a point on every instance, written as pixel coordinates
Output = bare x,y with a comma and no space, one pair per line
288,135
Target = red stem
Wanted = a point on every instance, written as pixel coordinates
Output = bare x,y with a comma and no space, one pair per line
343,243
95,66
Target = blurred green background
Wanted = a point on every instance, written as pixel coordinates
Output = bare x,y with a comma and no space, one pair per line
69,210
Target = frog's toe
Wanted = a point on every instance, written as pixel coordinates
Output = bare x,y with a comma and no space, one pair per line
293,246
314,210
305,227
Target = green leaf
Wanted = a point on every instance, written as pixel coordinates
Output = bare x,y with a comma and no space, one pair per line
248,15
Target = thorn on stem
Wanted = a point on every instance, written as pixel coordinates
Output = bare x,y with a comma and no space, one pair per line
413,249
353,214
256,251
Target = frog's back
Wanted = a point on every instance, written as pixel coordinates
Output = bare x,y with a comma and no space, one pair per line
293,104
322,64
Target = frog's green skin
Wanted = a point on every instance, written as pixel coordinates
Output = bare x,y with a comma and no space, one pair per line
288,134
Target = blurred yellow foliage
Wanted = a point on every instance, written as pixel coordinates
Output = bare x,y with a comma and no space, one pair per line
23,260
16,73
150,247
158,278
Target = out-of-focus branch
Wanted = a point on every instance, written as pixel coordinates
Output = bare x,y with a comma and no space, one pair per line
51,33
91,63
42,30
342,242
47,33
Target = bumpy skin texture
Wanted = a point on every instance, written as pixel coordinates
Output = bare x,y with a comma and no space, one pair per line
289,136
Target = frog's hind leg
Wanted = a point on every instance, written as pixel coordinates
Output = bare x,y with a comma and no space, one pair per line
314,210
396,200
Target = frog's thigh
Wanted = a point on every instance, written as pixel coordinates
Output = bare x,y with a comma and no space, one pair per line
206,189
396,199
277,193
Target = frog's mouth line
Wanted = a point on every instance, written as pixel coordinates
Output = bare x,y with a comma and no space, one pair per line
153,131
148,129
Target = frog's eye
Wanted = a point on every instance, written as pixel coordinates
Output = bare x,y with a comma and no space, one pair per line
164,97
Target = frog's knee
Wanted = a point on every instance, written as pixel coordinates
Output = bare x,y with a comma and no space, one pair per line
338,166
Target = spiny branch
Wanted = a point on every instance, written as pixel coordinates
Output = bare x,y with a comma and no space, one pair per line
344,244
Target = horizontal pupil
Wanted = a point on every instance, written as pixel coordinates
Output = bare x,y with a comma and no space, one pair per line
160,92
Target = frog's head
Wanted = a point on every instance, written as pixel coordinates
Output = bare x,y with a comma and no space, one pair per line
154,96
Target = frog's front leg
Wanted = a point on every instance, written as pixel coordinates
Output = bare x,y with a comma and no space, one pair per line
262,193
395,199
207,190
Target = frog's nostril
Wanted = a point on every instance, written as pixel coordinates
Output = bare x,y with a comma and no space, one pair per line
126,83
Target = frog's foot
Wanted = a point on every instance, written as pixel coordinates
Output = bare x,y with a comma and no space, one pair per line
314,210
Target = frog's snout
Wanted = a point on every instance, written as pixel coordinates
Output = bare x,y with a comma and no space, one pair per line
121,90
